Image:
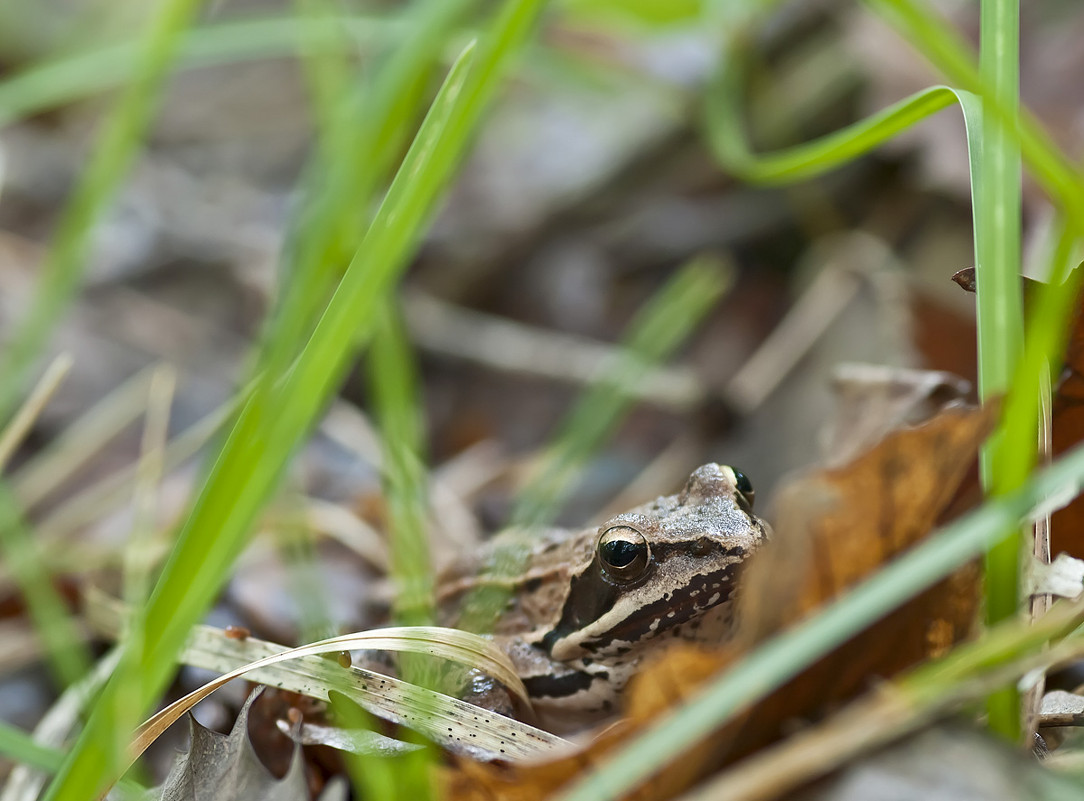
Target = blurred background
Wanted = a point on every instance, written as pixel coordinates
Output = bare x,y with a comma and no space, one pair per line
591,183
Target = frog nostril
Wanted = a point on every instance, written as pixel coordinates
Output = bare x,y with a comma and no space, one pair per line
701,548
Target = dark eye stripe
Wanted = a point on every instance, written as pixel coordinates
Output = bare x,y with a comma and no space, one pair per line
672,609
590,597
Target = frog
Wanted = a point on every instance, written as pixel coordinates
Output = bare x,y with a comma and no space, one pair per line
589,606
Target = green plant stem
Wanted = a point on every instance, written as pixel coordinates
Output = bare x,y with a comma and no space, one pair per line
366,129
66,651
394,385
1000,307
953,56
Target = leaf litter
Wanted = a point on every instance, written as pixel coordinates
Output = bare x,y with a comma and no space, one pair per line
673,679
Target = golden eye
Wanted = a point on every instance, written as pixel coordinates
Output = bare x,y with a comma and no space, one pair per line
623,553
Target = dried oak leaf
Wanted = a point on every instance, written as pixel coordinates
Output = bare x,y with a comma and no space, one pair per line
835,528
221,767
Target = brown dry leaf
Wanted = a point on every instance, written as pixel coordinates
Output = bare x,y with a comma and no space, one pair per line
1067,524
835,528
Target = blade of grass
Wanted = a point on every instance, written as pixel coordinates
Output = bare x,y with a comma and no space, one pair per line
1003,654
1000,313
359,141
664,323
244,474
1049,313
20,747
784,656
15,432
69,78
365,130
943,47
117,144
948,52
56,726
656,331
138,557
63,455
278,414
812,158
394,385
67,655
114,489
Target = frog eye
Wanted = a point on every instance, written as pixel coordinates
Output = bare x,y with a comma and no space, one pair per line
743,485
623,553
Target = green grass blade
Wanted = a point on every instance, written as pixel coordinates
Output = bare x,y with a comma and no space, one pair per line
393,383
997,136
812,158
1050,312
948,52
250,464
366,131
65,79
281,411
658,329
64,647
18,746
781,658
1000,318
116,147
956,59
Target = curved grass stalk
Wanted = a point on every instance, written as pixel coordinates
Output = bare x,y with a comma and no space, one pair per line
812,158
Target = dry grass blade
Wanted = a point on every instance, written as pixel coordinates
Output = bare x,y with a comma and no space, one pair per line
116,488
503,344
18,428
459,726
454,645
47,470
340,524
434,714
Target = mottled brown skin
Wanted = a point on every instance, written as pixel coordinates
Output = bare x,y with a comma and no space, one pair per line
579,624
